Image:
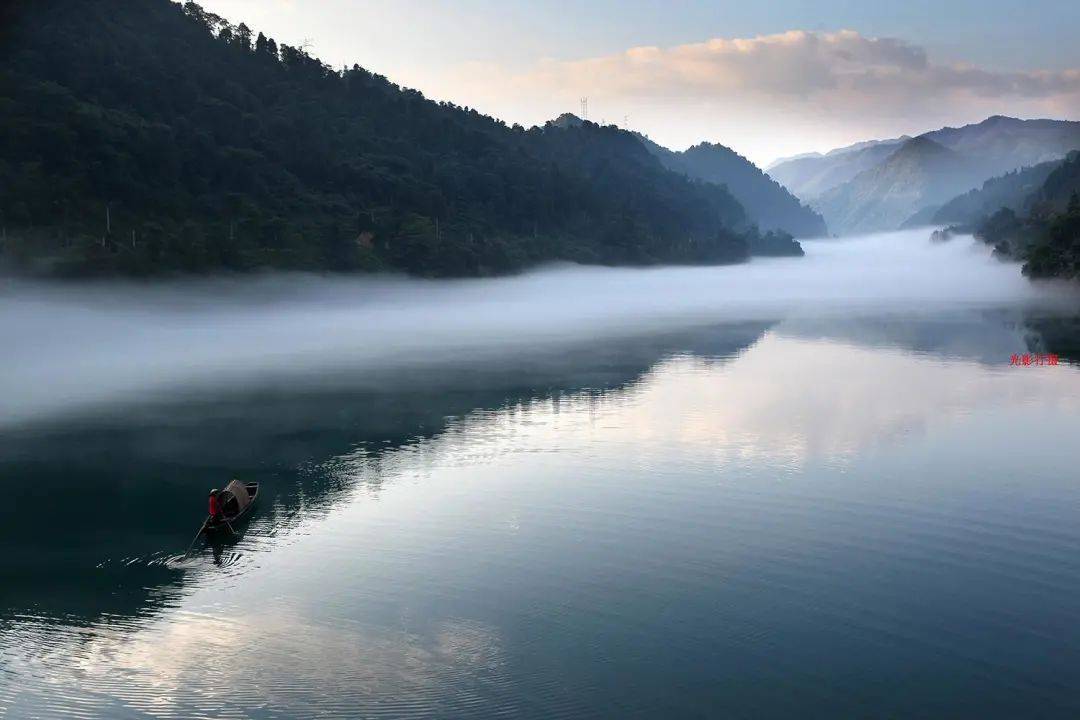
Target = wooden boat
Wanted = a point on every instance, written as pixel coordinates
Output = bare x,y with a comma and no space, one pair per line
236,499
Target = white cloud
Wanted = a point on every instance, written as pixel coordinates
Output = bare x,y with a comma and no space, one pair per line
823,88
796,63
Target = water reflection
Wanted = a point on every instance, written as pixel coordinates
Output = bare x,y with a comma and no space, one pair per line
129,483
725,510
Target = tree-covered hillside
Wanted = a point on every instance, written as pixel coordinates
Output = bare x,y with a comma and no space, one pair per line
139,136
1011,190
1046,237
767,203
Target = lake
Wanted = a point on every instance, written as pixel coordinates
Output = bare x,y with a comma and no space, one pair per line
835,486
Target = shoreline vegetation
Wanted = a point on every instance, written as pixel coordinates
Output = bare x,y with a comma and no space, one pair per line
153,138
1039,227
1045,234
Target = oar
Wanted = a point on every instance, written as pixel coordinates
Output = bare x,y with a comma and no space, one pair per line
196,538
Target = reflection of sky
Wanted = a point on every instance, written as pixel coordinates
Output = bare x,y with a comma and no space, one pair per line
788,399
212,666
437,589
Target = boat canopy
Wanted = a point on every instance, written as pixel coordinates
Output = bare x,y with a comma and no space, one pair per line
237,490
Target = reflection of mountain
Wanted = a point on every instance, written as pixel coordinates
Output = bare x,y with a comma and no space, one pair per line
986,338
1054,334
522,550
121,495
95,508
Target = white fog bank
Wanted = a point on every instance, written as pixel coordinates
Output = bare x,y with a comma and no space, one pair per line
70,346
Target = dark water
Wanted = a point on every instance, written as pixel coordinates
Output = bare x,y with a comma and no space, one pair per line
860,513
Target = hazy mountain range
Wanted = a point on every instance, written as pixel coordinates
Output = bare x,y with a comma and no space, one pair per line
146,137
881,185
918,173
1011,190
810,175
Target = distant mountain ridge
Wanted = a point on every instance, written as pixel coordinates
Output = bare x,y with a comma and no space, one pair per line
886,195
808,177
767,202
862,145
895,184
1003,144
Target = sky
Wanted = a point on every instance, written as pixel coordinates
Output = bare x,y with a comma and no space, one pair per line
769,79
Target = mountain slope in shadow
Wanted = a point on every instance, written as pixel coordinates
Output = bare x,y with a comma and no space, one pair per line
883,197
767,202
810,176
869,186
1010,190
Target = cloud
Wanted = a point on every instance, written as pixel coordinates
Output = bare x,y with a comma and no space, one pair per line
794,64
823,87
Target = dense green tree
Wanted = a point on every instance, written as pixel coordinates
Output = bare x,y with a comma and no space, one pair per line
1059,254
1047,238
144,136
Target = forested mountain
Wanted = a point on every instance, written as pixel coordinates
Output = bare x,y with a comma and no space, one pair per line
767,202
1046,234
1011,190
884,196
1057,191
140,136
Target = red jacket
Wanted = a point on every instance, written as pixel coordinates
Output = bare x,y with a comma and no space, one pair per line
213,506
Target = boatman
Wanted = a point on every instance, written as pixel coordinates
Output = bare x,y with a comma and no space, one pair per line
215,505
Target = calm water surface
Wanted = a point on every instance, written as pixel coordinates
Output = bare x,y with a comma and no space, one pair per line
763,513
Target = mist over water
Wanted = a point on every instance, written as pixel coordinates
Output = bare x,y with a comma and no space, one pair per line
70,347
798,487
